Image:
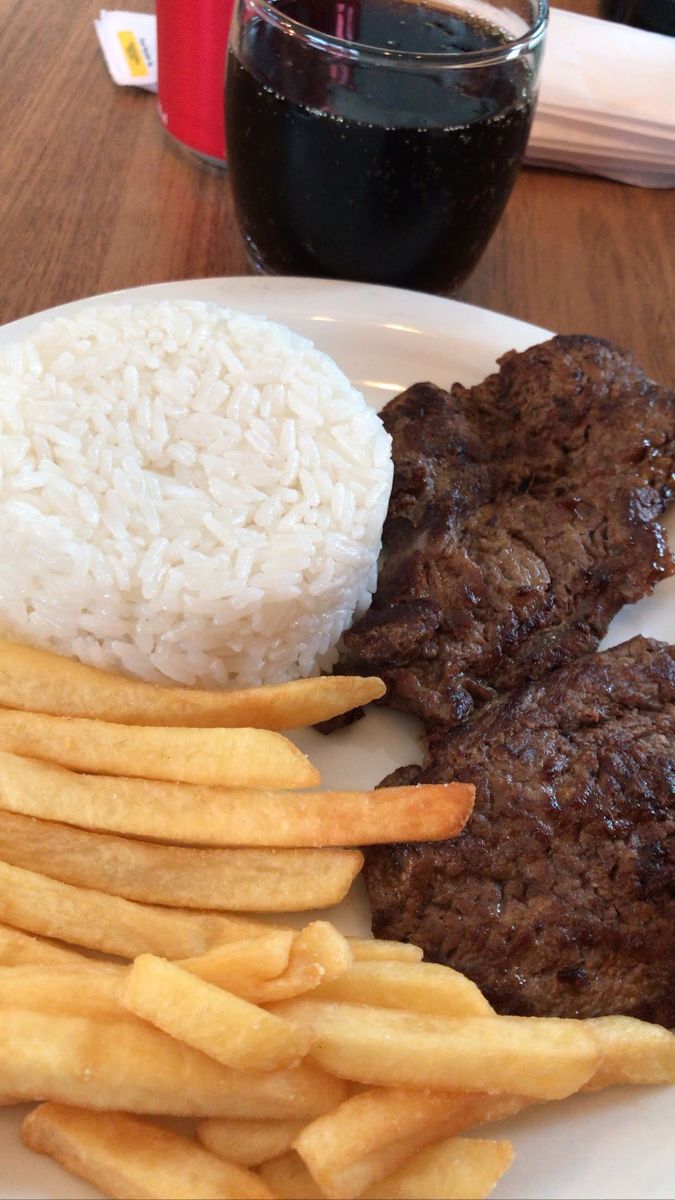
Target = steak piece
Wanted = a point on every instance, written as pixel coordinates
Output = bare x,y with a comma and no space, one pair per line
558,898
524,514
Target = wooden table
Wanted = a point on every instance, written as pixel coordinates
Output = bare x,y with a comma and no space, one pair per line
94,196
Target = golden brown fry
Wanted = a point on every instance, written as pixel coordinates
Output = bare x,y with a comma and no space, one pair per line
280,964
124,1156
246,966
231,1030
248,1142
418,987
90,990
289,1179
39,681
129,1066
243,758
18,948
534,1056
89,918
452,1170
173,812
264,880
378,950
319,952
372,1134
85,986
251,969
632,1051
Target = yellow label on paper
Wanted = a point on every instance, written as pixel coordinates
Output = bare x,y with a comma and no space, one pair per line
133,53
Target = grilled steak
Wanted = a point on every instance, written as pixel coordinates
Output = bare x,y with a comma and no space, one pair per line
559,896
524,514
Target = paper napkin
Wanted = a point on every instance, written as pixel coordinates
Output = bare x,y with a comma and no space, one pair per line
606,101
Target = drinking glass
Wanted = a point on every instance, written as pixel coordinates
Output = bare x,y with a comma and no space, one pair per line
378,140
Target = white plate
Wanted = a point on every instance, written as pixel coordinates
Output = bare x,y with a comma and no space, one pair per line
618,1145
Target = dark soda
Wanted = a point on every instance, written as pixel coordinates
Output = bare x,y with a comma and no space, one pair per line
351,171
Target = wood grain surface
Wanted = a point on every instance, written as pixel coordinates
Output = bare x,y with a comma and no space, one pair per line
94,196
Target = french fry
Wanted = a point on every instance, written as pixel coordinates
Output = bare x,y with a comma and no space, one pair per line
419,987
18,948
180,876
89,987
231,1030
289,1179
278,965
130,1066
371,1135
124,1156
268,964
243,758
83,991
248,1142
633,1052
251,969
98,921
38,681
174,812
452,1170
534,1056
381,1163
378,950
319,953
246,966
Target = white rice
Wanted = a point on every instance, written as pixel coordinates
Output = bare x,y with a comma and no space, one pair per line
187,494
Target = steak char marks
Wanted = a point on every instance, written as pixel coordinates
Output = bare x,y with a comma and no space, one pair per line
524,514
558,898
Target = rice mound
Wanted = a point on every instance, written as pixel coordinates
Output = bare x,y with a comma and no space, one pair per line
188,494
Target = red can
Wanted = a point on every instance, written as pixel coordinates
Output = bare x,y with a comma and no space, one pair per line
191,51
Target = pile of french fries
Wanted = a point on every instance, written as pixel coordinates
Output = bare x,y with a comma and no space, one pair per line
149,824
206,779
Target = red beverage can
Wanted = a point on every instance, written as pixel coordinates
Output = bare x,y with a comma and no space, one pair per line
191,51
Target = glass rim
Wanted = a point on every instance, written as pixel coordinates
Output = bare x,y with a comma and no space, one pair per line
455,60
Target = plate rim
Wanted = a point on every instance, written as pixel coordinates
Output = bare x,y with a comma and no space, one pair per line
431,306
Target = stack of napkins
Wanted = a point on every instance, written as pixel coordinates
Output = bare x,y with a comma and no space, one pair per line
606,101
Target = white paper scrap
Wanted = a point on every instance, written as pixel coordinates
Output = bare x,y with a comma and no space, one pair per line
129,44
